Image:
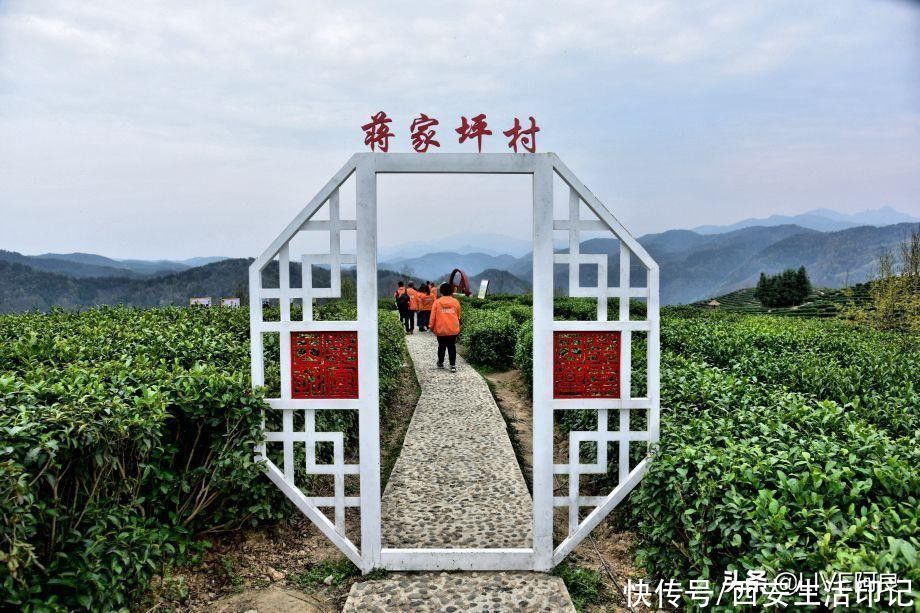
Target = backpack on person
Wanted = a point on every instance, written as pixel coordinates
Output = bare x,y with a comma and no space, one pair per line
402,301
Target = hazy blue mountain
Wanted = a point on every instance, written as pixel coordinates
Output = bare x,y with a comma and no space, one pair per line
884,216
693,267
200,261
491,244
823,220
832,259
93,265
438,264
500,282
156,267
82,258
25,288
72,268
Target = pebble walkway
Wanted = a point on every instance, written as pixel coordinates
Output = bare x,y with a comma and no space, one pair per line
502,591
456,484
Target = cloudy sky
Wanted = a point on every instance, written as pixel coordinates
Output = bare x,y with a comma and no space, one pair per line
200,128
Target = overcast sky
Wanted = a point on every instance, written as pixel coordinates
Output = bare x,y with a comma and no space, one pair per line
200,128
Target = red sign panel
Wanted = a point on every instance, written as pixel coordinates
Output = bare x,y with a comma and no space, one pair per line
324,365
586,364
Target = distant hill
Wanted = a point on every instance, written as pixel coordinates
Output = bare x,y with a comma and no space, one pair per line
70,268
500,282
24,288
491,244
823,220
93,265
693,267
438,264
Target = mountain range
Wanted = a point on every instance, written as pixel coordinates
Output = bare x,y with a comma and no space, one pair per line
694,266
823,220
84,265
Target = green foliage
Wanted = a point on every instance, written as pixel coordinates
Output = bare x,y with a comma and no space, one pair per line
340,570
392,354
786,289
786,444
490,336
821,302
127,435
749,475
584,584
895,293
523,353
869,372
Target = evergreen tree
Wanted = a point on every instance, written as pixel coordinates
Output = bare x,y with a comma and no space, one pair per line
788,288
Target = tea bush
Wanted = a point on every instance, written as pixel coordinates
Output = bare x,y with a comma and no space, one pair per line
872,373
489,336
786,445
523,353
127,437
749,475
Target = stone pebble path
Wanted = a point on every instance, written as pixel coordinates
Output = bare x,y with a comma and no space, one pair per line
456,484
477,591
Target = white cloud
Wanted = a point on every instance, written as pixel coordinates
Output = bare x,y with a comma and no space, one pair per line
180,92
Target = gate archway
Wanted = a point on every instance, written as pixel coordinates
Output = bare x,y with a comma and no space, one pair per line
578,365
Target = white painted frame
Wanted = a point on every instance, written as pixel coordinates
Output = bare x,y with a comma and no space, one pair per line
543,167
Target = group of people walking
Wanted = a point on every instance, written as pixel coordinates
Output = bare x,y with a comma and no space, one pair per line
440,315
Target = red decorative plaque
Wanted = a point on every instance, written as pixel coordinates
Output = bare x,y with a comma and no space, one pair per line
586,364
324,364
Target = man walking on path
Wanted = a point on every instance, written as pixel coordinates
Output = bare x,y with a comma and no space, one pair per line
425,302
402,303
445,323
413,305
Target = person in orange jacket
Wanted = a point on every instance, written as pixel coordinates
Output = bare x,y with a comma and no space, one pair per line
445,323
413,305
425,302
402,304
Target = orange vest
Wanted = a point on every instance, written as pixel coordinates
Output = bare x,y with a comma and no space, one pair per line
445,316
413,298
399,292
425,301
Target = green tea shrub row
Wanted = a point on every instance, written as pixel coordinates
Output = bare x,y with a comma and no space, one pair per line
490,337
749,475
872,373
753,474
523,353
127,435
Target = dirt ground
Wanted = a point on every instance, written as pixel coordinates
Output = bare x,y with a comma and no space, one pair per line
609,552
288,566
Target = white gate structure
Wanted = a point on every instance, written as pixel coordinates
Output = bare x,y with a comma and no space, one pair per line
578,365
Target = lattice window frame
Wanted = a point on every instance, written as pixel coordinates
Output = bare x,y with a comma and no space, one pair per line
365,329
619,409
543,168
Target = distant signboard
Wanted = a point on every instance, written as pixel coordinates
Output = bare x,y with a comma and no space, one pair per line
230,302
483,288
204,301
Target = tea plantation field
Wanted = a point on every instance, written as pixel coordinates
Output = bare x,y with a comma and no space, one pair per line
127,435
786,444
